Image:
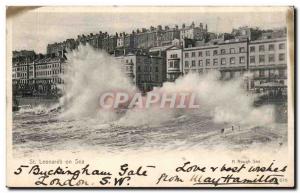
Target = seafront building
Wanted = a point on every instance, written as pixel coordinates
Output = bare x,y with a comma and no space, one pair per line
264,58
158,54
144,70
268,62
37,74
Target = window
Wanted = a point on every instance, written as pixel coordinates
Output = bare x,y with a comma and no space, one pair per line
156,68
261,48
242,60
281,46
232,51
215,62
261,58
193,54
200,54
207,62
193,63
261,73
252,59
232,60
186,55
281,72
242,49
173,55
271,47
186,63
139,68
207,53
223,51
176,64
215,52
252,49
271,58
223,61
200,62
171,64
281,57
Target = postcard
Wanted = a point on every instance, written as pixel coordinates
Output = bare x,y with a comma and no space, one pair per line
150,96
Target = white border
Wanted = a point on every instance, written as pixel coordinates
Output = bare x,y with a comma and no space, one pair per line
5,3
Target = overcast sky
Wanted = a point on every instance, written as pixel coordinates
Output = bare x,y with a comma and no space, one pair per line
36,28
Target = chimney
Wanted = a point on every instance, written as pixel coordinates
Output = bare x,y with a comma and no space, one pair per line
183,26
206,27
167,27
176,26
193,25
201,26
159,27
144,30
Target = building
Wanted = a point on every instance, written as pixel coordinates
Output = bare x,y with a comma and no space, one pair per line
246,32
100,40
144,38
36,74
120,40
161,51
174,63
146,71
232,58
265,59
154,37
268,62
155,55
166,36
21,61
125,44
48,69
193,32
69,44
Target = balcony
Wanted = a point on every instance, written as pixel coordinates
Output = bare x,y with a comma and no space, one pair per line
271,77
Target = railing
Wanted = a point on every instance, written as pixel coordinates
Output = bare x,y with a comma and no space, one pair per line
37,89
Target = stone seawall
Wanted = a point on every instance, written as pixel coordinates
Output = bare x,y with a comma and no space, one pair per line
35,101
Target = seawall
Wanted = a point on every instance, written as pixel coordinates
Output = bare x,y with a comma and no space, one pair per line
35,101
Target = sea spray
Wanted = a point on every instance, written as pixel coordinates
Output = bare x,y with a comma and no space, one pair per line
89,73
226,101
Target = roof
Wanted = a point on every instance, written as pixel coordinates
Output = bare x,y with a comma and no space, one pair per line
268,40
47,60
160,48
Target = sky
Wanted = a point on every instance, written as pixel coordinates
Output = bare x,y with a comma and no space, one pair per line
34,29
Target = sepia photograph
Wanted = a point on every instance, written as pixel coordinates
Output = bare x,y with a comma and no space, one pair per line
143,96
